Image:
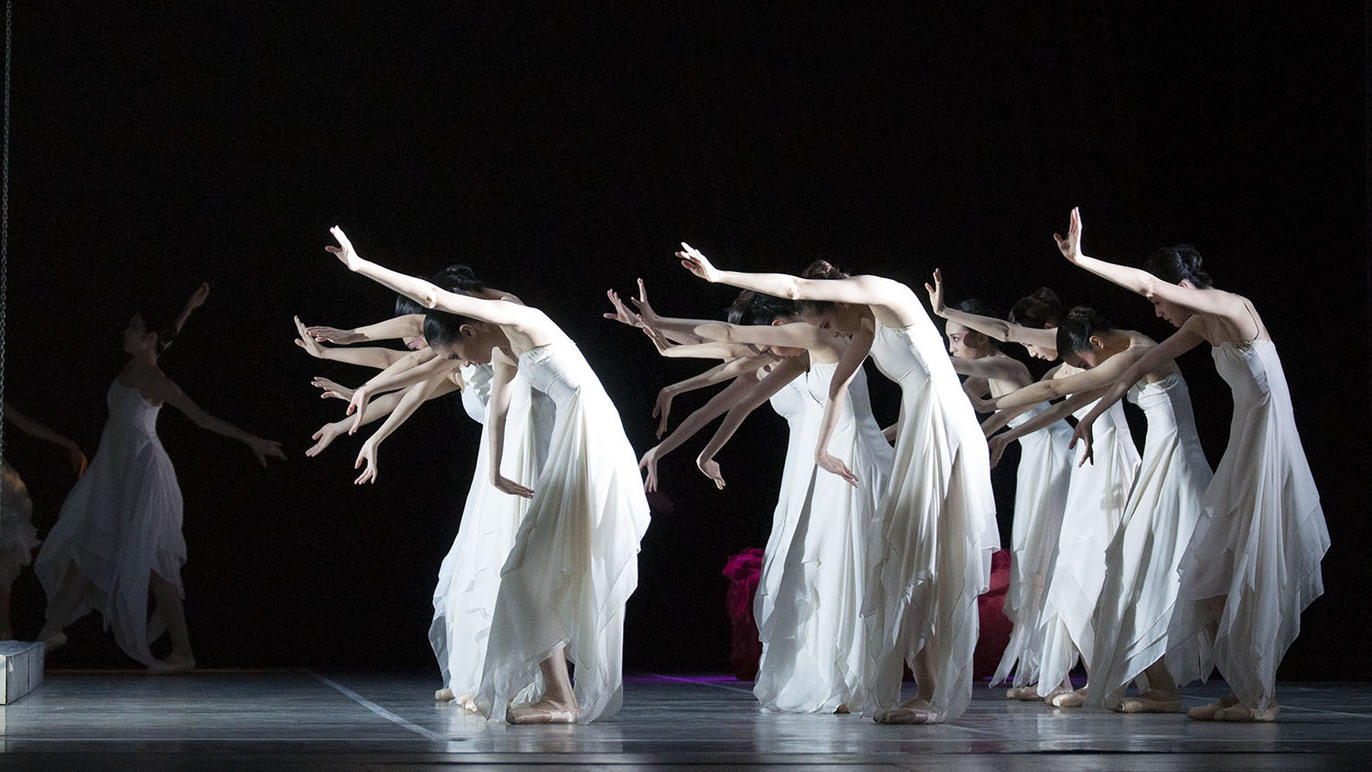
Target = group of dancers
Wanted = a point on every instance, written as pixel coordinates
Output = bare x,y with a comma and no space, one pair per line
1146,569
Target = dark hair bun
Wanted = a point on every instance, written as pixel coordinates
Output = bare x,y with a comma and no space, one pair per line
823,269
1177,263
1039,309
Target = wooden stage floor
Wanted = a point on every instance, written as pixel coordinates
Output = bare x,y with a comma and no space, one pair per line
301,719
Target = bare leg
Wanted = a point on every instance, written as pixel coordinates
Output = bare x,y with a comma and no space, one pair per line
169,606
1162,695
558,705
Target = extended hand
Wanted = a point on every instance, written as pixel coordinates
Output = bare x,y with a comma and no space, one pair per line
830,463
710,468
697,263
649,463
622,313
645,309
306,340
358,405
997,446
366,457
1070,247
344,251
333,335
935,291
661,407
265,449
506,485
325,437
332,389
1083,434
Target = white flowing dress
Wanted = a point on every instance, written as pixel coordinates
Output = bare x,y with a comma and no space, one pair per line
18,537
1096,497
120,523
814,638
575,558
1261,534
1139,596
802,414
938,527
1041,483
469,576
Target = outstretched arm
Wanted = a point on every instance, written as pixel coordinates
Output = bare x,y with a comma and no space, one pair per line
794,335
409,401
989,326
404,372
760,392
407,326
848,365
1047,417
1178,343
1142,282
1098,377
369,356
196,300
861,290
426,293
717,405
662,407
329,432
34,429
168,392
675,329
1000,368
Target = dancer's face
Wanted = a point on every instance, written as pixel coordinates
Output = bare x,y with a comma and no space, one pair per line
1175,315
964,343
137,339
1042,352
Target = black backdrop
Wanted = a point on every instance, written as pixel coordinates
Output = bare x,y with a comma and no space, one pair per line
565,148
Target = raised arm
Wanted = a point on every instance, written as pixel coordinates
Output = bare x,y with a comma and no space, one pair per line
858,290
168,392
428,294
760,392
848,365
675,329
1144,283
196,300
34,429
989,326
409,401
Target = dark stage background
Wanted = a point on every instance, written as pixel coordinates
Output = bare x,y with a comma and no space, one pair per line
562,149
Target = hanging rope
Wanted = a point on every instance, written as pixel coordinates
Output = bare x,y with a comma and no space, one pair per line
5,214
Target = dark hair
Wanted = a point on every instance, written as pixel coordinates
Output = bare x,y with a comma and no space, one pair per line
441,327
454,278
980,308
753,308
1039,309
161,321
1177,263
1076,331
820,269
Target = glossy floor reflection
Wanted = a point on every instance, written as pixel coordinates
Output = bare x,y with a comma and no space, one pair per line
306,720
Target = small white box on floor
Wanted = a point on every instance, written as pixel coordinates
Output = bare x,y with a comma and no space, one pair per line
22,663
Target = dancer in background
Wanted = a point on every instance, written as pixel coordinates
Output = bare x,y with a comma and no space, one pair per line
118,537
574,561
18,537
938,526
1044,473
1255,557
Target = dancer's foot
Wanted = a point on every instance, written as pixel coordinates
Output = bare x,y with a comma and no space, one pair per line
841,710
1245,714
1065,699
53,643
1023,693
1207,712
173,664
544,712
1151,701
444,695
914,711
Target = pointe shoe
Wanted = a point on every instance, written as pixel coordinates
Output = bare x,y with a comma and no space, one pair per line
53,643
1245,714
842,710
1209,712
1023,693
1142,704
444,695
903,715
172,665
1073,699
532,714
